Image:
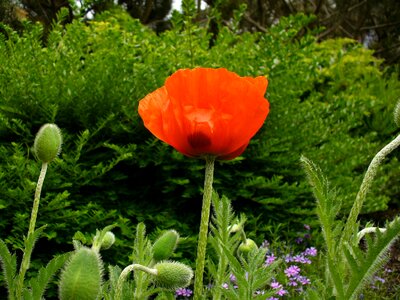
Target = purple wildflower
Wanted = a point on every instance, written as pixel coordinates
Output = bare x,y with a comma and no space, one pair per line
301,259
312,251
270,259
272,298
292,271
276,285
303,280
299,240
232,278
281,292
183,292
307,227
288,258
380,279
225,286
292,283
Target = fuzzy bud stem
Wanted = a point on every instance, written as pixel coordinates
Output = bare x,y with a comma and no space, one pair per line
124,274
363,232
26,258
365,186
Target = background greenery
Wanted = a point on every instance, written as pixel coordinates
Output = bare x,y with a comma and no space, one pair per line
331,101
373,23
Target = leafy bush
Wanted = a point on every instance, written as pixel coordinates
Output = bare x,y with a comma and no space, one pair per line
330,101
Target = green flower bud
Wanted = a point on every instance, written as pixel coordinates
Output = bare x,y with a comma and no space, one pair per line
165,245
247,247
397,114
108,240
172,275
48,143
82,276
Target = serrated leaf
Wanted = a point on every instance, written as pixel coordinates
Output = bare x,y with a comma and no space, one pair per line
9,265
351,260
374,258
45,274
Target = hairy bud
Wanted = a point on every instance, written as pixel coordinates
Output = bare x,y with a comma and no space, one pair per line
165,245
246,247
108,240
48,143
172,275
82,276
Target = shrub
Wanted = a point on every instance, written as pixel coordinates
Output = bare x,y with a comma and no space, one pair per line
330,101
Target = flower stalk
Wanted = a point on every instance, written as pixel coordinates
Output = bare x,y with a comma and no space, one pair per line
365,186
36,200
28,250
205,217
124,275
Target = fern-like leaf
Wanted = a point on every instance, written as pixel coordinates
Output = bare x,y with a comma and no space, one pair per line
30,241
9,265
39,284
328,206
351,260
222,219
374,258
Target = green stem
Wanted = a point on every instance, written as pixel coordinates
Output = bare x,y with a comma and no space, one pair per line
28,248
124,274
36,200
205,217
364,188
243,235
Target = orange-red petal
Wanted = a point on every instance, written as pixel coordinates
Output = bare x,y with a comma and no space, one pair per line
206,111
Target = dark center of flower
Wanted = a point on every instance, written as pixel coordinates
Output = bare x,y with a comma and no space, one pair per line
199,140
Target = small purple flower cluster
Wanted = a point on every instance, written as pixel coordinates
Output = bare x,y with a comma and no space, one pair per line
182,292
280,291
292,281
232,279
289,280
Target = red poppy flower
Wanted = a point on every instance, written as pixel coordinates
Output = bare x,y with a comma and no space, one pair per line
206,111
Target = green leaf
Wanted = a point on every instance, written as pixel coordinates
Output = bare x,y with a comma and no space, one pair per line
39,284
374,257
9,266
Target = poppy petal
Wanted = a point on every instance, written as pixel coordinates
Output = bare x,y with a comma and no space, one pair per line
206,111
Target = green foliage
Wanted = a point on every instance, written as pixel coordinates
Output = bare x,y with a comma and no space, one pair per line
39,284
350,268
249,270
151,278
330,101
9,266
223,219
142,254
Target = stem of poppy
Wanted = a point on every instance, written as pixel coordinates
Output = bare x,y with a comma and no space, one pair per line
26,258
205,217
